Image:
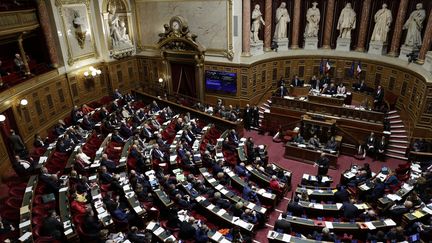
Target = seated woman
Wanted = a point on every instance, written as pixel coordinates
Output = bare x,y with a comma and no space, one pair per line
331,144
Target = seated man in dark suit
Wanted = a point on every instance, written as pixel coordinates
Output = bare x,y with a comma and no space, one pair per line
249,216
51,226
295,208
109,164
220,202
283,226
398,210
331,144
187,230
342,194
234,137
241,170
331,90
104,176
296,82
125,130
349,210
360,86
158,154
117,138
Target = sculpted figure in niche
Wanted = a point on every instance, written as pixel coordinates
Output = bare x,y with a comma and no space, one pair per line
313,17
282,19
118,30
383,19
414,25
347,22
257,20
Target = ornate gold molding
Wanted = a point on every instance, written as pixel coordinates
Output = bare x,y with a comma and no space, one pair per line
12,22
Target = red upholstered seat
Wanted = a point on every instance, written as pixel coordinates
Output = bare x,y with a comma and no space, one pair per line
14,202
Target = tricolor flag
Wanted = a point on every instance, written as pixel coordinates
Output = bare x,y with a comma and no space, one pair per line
327,66
359,68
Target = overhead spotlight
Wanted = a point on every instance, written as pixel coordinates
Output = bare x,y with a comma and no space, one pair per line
23,102
2,118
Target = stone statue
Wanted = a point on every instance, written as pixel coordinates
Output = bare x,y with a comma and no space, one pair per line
118,30
313,18
256,23
282,19
414,25
80,34
383,19
347,22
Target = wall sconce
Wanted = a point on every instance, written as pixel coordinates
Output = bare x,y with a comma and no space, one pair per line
161,80
92,73
23,102
2,118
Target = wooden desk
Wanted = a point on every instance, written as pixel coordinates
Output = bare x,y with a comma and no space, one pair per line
339,111
220,123
229,194
327,100
265,197
417,215
318,194
263,178
162,234
99,207
125,153
222,215
308,156
312,180
163,198
299,91
25,225
356,228
130,195
325,209
65,213
274,236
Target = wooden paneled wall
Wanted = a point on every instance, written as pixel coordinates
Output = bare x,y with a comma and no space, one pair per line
51,97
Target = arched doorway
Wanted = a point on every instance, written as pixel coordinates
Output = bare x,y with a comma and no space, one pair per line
183,58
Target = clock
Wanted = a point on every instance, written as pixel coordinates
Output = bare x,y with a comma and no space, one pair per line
175,25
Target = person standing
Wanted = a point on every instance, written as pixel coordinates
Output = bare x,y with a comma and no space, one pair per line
17,144
323,164
256,117
247,116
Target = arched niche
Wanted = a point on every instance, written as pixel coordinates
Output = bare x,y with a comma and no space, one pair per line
117,21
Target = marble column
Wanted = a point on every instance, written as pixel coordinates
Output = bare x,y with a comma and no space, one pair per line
246,27
427,40
397,32
23,55
328,25
268,25
46,29
296,25
361,41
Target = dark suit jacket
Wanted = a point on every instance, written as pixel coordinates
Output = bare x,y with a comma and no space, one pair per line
17,143
187,231
349,210
299,83
378,97
282,226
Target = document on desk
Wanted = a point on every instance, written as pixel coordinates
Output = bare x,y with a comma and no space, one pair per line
210,206
364,187
159,231
63,189
25,236
29,189
68,232
370,225
362,206
427,210
24,210
318,206
394,197
329,224
151,225
338,205
100,210
138,209
24,224
42,159
389,222
418,214
103,215
286,237
212,180
219,187
221,212
224,191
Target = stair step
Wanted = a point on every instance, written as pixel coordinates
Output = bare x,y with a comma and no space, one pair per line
398,141
398,136
269,101
398,146
396,151
398,131
393,117
392,112
396,156
396,121
397,126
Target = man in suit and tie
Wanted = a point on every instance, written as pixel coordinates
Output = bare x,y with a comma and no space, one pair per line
378,98
247,116
17,143
323,164
296,82
158,154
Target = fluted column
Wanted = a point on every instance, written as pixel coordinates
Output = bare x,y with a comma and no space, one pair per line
328,25
46,29
427,41
23,56
246,27
268,25
296,25
397,32
361,41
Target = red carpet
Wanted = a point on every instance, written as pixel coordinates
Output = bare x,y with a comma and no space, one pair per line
276,155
